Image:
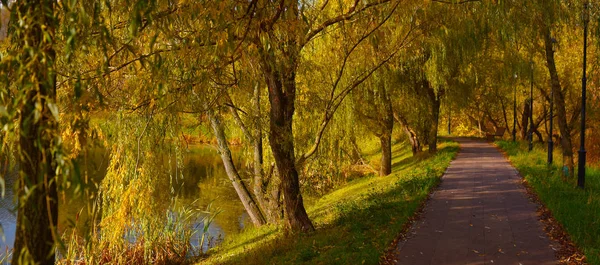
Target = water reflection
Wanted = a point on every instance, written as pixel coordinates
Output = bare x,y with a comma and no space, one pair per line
203,182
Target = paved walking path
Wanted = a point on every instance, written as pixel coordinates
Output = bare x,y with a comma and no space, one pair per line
479,215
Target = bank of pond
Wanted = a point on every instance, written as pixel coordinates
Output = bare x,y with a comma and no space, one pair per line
202,185
356,221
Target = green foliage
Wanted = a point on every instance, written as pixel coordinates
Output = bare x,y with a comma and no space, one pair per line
578,211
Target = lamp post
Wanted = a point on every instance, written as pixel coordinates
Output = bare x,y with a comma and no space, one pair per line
531,109
581,172
550,139
514,132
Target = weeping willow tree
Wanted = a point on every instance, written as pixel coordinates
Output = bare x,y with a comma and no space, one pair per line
120,68
30,116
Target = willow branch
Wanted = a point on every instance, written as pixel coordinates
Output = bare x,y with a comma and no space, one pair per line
347,56
237,118
455,2
343,17
337,101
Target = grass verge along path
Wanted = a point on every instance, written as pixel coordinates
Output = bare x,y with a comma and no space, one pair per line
578,211
355,223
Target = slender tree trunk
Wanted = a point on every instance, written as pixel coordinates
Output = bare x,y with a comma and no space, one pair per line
525,119
355,152
435,116
386,154
241,190
559,105
37,189
385,138
539,135
504,115
410,133
260,184
274,191
254,135
415,144
434,99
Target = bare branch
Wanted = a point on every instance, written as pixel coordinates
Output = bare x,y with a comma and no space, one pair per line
346,16
347,56
237,118
455,2
337,100
268,24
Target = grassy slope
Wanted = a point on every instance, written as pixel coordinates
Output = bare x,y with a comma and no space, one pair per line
355,223
578,211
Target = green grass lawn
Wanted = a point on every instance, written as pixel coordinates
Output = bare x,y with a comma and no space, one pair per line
355,223
577,210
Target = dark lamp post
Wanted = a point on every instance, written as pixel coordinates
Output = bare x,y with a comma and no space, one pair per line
531,110
550,137
514,132
581,165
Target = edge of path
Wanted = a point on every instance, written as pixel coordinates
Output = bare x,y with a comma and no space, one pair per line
388,258
567,254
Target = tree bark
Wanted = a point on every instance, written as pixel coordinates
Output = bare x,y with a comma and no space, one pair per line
525,119
282,146
504,115
434,100
278,65
559,104
280,78
355,152
259,186
260,182
435,116
239,186
37,189
386,154
410,133
387,122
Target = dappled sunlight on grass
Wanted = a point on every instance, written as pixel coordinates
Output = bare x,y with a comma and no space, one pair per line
355,223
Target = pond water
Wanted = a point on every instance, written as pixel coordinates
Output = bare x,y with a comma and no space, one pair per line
204,182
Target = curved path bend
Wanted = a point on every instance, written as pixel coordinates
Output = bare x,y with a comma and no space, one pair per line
480,214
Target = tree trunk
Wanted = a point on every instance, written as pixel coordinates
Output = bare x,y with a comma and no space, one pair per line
434,99
410,133
282,93
559,105
539,135
282,146
505,115
260,183
37,189
355,152
435,116
274,192
241,190
38,197
525,119
386,154
385,138
279,63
